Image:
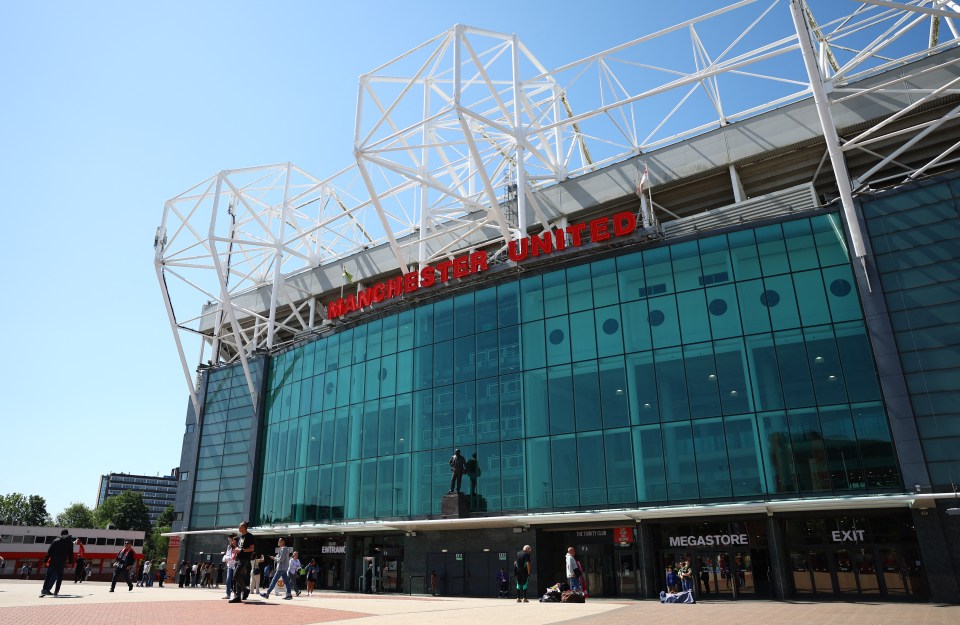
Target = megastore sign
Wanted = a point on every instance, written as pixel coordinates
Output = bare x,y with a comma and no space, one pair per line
547,242
709,540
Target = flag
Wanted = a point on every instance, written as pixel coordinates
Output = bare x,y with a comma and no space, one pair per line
347,276
644,181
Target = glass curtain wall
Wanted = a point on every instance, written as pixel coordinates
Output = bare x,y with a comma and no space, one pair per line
731,367
224,448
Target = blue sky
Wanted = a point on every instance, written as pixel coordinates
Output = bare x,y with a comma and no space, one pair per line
110,108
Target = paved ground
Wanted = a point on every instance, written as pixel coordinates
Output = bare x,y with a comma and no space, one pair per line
91,604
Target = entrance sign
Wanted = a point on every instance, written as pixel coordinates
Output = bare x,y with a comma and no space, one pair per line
333,549
710,540
541,244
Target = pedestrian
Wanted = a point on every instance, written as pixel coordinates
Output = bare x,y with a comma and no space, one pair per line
313,571
705,577
58,554
162,574
522,571
673,582
282,562
24,572
183,573
457,467
81,568
434,583
122,564
230,560
686,575
573,570
139,573
293,572
502,580
256,571
241,577
147,577
368,578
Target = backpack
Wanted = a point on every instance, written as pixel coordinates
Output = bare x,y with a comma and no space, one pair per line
571,596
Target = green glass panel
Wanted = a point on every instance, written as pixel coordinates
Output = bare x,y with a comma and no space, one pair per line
826,371
342,429
753,314
488,410
649,466
630,277
702,380
794,370
636,326
560,385
387,429
801,247
352,491
486,482
404,419
642,389
317,393
463,311
346,348
355,414
658,272
333,352
746,459
384,487
464,358
535,404
813,474
840,446
464,414
320,356
680,461
388,375
735,393
510,357
539,494
604,278
388,343
508,307
486,310
772,250
564,471
423,367
423,325
687,273
513,475
442,321
324,494
400,482
558,340
857,361
586,396
609,331
830,241
421,483
534,345
531,299
694,323
811,298
422,420
405,371
842,294
579,288
327,435
664,322
744,254
764,372
618,457
613,392
713,468
368,488
511,407
443,418
583,340
357,382
671,385
488,354
405,332
359,344
308,351
592,482
724,311
442,363
554,294
778,466
372,378
876,449
780,300
343,386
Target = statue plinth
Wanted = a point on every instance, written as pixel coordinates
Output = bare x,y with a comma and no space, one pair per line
454,506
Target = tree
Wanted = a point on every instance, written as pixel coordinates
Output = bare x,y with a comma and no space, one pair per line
77,515
125,511
37,511
155,545
18,509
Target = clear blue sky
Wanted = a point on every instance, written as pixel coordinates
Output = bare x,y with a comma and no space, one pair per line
107,109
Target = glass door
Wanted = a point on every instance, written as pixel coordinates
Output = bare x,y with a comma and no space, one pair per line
628,581
845,575
894,573
867,572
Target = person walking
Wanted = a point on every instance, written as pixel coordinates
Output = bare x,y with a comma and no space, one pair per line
522,571
59,552
313,571
122,564
162,574
230,560
282,562
184,573
256,571
573,570
81,568
502,580
241,577
293,572
147,577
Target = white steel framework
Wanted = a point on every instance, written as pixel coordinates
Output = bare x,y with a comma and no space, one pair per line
449,132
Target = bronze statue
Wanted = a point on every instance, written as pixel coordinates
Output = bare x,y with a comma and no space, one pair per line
457,465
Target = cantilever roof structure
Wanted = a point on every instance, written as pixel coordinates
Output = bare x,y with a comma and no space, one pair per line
467,142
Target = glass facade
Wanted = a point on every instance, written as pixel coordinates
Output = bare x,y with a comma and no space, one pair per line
915,236
735,366
224,458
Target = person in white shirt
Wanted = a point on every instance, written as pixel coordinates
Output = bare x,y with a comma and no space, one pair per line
573,571
147,574
230,559
293,572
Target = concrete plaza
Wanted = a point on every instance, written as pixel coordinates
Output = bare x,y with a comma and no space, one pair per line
92,604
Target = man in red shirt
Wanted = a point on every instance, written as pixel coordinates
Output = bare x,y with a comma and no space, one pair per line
80,571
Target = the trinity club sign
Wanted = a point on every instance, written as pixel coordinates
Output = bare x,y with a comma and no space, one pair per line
547,242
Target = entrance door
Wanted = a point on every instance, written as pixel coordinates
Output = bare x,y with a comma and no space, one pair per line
628,578
811,573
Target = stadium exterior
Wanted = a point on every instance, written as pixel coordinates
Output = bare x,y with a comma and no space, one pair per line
735,345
